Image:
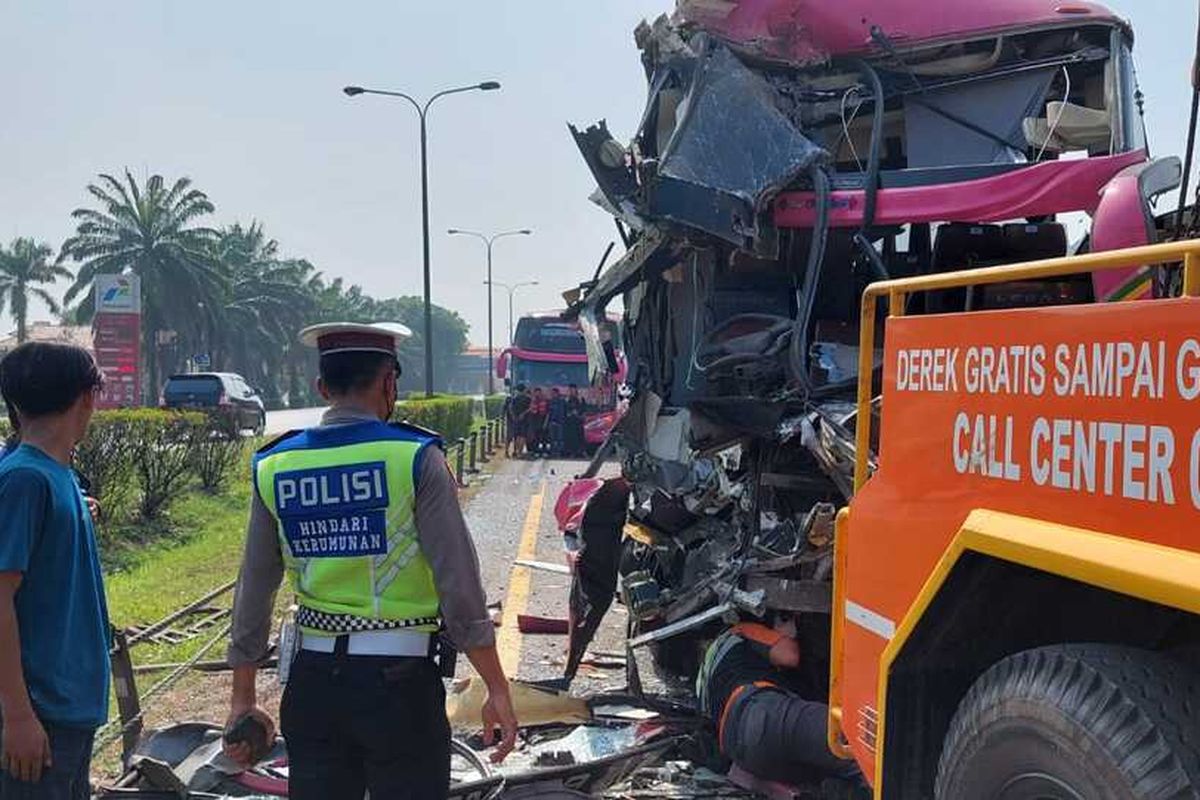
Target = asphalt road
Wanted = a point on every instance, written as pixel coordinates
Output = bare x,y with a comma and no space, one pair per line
512,516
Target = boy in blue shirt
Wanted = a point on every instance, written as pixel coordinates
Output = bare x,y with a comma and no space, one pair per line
54,632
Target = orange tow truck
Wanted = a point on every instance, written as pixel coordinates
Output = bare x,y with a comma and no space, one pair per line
1017,580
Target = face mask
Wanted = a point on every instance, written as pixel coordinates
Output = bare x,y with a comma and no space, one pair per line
390,395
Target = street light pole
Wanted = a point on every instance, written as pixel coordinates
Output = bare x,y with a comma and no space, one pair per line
489,240
422,112
511,291
425,256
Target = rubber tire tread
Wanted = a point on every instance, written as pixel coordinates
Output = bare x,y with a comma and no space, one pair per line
1118,696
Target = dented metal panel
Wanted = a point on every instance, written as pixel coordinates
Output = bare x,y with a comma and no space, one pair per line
730,151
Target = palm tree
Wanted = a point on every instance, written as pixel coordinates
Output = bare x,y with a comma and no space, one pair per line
266,304
24,267
149,231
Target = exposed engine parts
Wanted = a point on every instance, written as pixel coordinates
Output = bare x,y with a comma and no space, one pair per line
769,182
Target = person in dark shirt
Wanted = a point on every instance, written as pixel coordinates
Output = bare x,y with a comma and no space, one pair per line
509,434
518,412
746,688
54,629
573,425
539,409
557,417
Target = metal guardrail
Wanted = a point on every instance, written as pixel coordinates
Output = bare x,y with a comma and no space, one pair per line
469,452
898,290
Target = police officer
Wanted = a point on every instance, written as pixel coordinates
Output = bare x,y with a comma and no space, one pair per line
364,517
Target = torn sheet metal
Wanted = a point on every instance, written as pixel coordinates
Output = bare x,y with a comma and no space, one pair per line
731,151
624,272
595,562
550,762
587,759
794,595
608,160
598,365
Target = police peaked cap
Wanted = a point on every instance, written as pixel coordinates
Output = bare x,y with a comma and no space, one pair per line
355,337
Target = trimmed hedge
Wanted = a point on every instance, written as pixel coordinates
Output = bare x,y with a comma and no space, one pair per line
450,416
105,457
166,456
138,460
219,451
493,406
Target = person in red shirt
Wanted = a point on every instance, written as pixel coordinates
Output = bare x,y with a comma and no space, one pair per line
539,409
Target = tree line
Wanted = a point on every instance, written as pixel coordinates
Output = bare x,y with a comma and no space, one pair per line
227,292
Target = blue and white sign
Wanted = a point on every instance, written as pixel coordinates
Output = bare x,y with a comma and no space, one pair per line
334,512
121,294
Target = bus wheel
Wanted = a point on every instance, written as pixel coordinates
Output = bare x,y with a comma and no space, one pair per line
1076,722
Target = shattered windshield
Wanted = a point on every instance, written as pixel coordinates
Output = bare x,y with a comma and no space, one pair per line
550,337
549,373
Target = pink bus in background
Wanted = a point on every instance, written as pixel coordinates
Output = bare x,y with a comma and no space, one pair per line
549,352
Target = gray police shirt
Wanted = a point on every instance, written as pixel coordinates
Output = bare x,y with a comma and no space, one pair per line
444,539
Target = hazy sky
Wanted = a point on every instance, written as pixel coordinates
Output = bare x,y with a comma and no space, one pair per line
245,98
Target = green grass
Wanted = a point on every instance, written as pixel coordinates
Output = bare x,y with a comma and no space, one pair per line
202,550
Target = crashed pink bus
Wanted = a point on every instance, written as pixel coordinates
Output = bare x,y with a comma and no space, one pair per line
549,352
790,153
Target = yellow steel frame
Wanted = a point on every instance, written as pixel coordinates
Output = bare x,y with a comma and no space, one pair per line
897,292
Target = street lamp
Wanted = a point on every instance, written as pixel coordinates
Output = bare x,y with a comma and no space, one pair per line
488,241
422,111
511,290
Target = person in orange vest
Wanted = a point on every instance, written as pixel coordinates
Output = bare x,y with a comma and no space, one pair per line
751,688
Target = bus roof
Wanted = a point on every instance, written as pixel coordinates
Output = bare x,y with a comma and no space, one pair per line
613,316
811,31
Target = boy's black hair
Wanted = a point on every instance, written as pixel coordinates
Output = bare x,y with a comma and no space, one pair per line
44,378
353,370
520,387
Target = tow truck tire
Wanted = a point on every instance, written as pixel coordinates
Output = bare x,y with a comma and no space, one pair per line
1079,721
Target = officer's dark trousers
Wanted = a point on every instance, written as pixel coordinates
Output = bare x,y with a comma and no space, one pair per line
779,736
374,723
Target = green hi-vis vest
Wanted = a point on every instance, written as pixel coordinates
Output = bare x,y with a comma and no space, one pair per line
343,498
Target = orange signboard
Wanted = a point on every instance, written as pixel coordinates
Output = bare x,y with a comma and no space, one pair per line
1081,415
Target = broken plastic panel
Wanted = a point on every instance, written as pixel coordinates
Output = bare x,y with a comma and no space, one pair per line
732,149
